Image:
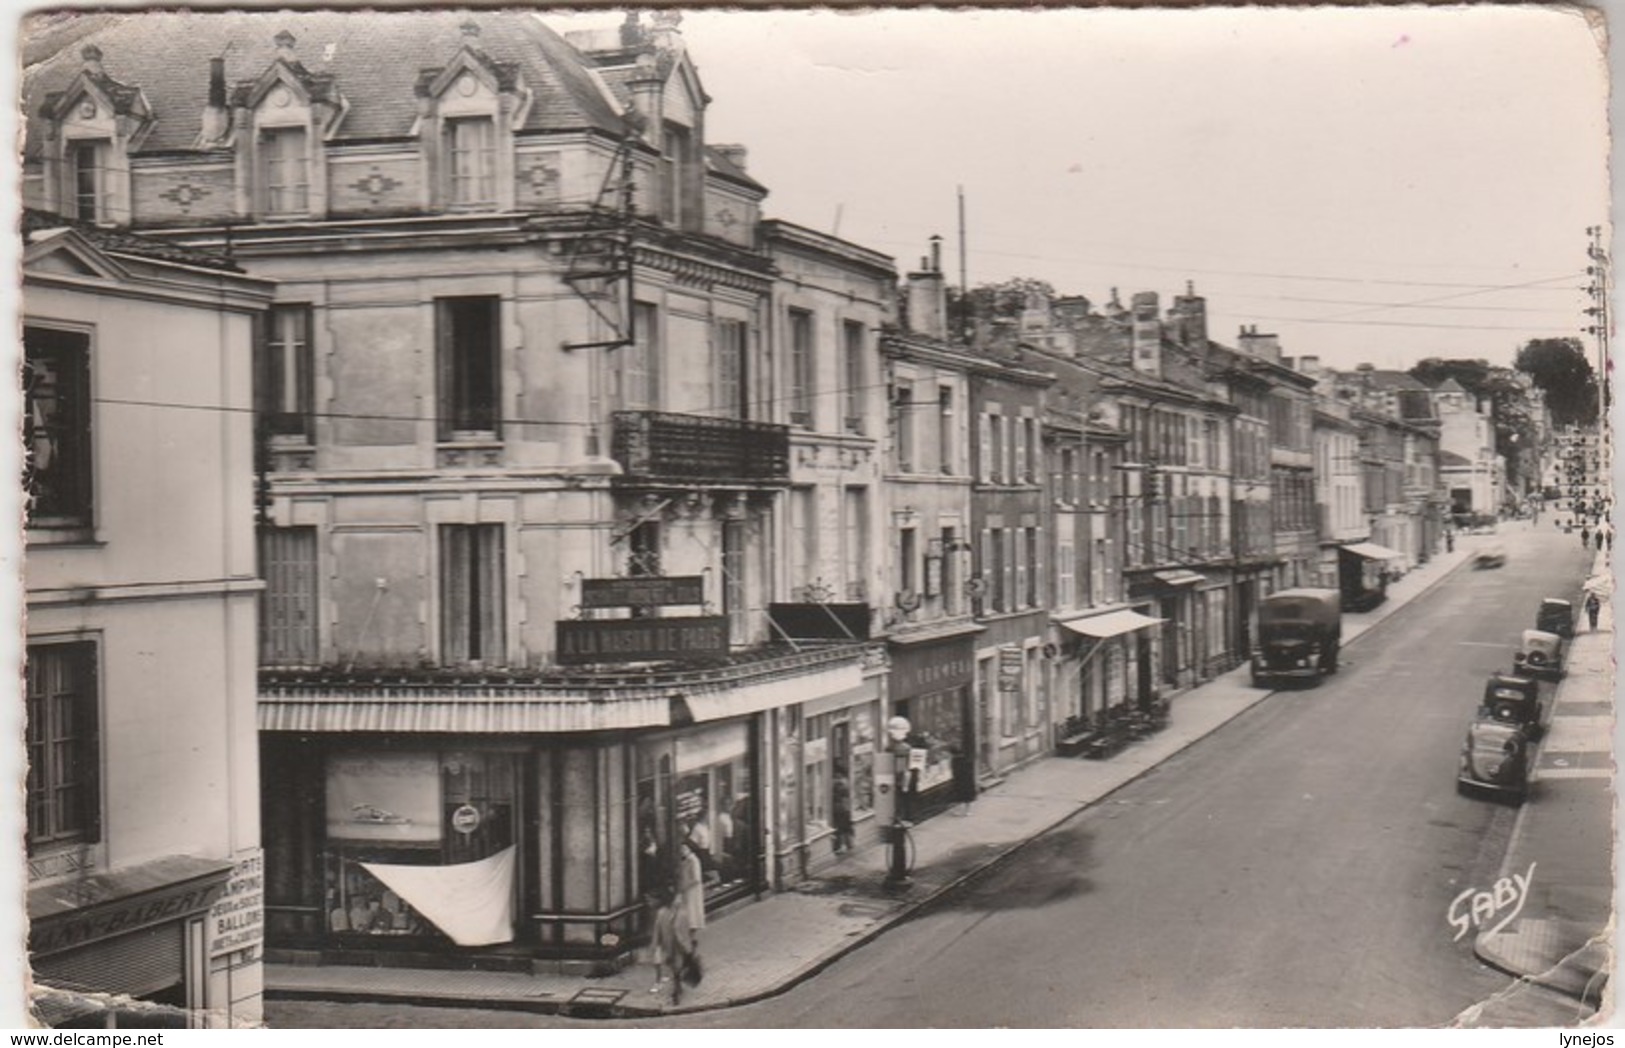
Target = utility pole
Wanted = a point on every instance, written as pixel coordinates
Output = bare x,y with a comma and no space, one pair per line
1599,287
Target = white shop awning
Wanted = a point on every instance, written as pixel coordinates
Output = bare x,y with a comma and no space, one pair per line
1111,624
1372,551
1179,577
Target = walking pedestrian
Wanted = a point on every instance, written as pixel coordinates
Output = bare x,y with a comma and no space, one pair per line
841,810
671,942
1593,608
964,774
1585,536
691,891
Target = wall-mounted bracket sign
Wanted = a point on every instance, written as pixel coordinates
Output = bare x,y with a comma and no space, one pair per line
643,592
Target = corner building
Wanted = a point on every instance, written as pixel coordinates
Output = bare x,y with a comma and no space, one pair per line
536,409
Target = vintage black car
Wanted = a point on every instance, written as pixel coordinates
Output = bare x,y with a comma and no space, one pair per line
1540,655
1299,634
1513,700
1556,616
1495,759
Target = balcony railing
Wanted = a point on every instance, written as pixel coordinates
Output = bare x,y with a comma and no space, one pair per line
657,445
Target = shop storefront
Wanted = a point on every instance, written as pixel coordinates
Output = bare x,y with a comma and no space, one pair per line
931,685
422,843
1106,658
819,743
700,786
141,934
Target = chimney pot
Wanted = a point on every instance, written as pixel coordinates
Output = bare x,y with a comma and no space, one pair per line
936,254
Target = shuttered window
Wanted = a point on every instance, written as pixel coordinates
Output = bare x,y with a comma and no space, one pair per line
64,802
288,631
472,626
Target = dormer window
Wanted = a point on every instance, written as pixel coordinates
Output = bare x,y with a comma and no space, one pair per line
286,171
471,162
87,176
675,164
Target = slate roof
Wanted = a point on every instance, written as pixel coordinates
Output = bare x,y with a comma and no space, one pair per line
1415,404
1391,381
117,242
374,57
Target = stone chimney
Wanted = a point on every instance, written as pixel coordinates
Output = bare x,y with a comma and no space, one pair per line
1309,366
1188,317
735,154
647,87
928,296
631,31
1146,334
216,115
663,31
1263,345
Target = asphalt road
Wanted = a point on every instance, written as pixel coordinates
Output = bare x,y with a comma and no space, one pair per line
1292,870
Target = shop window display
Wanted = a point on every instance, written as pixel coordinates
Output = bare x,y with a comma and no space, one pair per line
414,810
937,728
697,788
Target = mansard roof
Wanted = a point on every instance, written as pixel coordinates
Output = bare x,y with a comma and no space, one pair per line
373,57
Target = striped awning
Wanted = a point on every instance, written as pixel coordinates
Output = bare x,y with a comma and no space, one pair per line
1372,551
786,691
1111,624
492,714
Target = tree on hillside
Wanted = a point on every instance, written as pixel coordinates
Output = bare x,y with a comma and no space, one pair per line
1558,367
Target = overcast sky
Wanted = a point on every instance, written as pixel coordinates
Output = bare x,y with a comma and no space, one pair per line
1322,173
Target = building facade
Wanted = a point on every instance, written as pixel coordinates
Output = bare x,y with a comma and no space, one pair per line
143,842
551,431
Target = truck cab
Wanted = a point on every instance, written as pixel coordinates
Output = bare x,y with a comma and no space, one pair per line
1299,634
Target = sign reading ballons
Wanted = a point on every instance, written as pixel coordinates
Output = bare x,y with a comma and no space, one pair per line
640,640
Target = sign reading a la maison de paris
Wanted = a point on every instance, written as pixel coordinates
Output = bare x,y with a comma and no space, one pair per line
640,640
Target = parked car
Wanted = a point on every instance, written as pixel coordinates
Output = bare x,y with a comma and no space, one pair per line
1490,557
1513,700
1556,616
1539,655
1495,760
1299,634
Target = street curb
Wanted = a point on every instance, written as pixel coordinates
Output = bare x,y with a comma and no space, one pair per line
911,910
1483,947
908,910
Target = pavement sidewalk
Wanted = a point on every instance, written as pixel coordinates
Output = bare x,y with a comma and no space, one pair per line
766,947
1562,939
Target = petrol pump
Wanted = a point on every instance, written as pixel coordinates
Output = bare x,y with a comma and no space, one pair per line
894,790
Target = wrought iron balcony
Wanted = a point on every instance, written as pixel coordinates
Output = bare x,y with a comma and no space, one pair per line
657,445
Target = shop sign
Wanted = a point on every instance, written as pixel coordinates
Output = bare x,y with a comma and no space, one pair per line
1010,667
237,920
926,668
383,797
465,819
582,641
85,926
645,592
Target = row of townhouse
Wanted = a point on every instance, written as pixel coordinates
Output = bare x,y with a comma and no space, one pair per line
597,512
